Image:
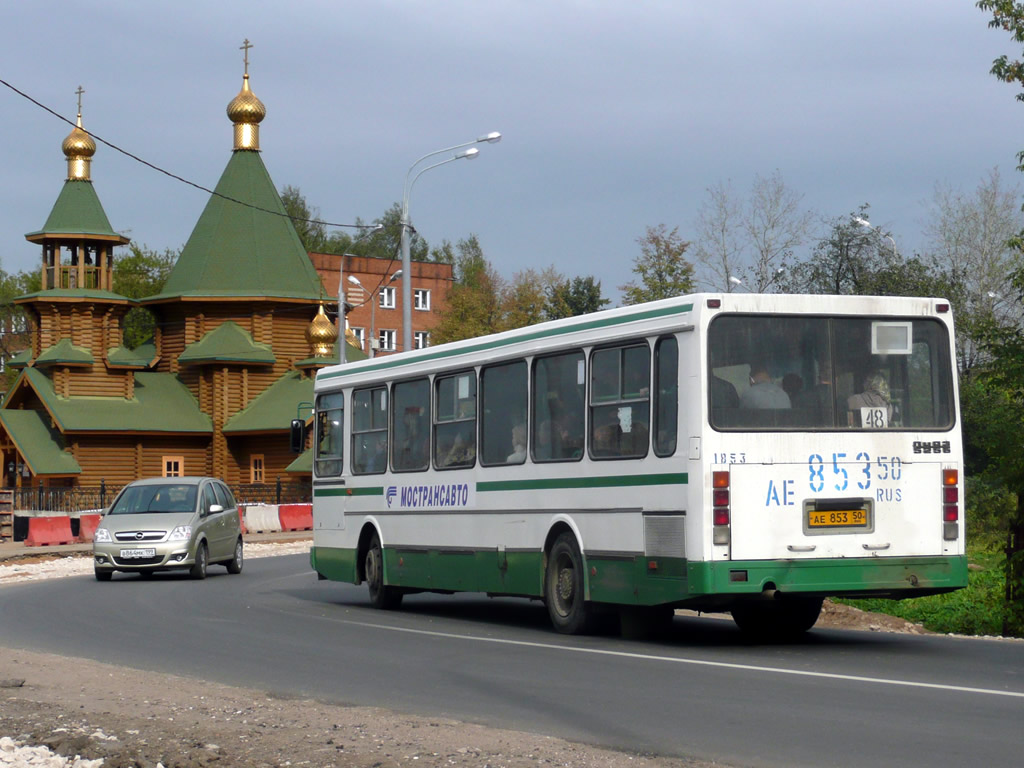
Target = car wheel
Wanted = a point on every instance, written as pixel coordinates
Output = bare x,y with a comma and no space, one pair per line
198,569
104,575
235,563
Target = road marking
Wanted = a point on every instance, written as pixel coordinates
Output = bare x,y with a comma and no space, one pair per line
696,662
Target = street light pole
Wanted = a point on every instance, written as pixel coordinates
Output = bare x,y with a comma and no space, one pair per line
410,179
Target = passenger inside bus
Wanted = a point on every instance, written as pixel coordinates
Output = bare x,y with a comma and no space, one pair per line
763,391
875,397
518,455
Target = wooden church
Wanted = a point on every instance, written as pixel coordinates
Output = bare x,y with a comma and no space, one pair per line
240,333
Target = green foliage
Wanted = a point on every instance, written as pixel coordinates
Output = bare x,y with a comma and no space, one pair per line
13,317
141,273
661,268
474,301
856,258
571,298
977,610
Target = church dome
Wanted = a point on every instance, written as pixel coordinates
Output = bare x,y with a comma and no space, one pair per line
78,143
321,334
245,107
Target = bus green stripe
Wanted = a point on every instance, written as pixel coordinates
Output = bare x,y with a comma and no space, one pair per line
605,481
587,325
324,493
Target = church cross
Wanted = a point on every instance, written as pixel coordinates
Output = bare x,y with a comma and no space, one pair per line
245,46
80,91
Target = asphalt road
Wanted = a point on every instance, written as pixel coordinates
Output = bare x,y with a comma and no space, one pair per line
839,698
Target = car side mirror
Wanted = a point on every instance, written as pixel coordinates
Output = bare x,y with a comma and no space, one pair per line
297,436
215,508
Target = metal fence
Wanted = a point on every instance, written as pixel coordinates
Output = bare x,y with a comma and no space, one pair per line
67,501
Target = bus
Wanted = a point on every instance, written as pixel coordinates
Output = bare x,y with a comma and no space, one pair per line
742,453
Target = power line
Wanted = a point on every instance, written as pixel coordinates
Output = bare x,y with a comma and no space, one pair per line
174,176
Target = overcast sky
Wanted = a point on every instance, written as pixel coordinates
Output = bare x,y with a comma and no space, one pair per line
615,115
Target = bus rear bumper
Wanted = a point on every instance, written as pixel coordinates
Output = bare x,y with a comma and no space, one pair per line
895,577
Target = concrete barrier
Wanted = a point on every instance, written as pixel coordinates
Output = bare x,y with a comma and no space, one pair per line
87,525
296,517
47,531
262,518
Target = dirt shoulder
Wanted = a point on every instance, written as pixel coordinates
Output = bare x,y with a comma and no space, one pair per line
142,719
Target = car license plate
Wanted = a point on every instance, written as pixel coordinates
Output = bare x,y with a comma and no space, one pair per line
129,554
837,518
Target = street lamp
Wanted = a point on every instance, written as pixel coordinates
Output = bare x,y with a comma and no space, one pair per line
865,223
373,302
490,138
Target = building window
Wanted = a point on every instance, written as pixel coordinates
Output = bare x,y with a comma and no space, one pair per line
420,339
360,334
421,299
387,298
256,468
387,340
174,466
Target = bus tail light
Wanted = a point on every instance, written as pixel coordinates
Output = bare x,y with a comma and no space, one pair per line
950,504
720,507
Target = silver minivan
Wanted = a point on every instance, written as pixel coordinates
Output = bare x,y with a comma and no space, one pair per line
169,523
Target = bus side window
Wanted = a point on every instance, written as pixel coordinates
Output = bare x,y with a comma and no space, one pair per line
559,384
666,396
370,431
503,409
455,421
329,430
620,395
410,422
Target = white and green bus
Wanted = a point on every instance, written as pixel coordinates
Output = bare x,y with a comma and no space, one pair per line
719,452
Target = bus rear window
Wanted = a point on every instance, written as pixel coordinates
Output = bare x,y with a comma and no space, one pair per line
770,372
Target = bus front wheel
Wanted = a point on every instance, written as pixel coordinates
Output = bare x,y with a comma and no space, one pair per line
779,619
563,587
381,596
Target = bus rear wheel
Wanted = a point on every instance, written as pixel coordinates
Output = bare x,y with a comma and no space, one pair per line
563,587
784,618
381,596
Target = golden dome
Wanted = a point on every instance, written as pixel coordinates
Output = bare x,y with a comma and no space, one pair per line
245,107
321,334
78,143
78,148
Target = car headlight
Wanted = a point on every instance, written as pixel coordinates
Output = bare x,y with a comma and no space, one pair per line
181,533
102,535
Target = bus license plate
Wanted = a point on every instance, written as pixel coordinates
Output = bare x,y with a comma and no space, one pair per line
837,518
129,554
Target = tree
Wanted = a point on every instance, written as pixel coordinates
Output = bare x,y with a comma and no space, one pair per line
662,270
474,302
142,273
13,320
570,298
306,220
971,235
524,299
749,242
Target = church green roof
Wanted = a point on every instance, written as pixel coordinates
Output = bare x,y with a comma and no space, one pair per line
227,343
275,408
40,444
77,212
64,353
239,251
161,403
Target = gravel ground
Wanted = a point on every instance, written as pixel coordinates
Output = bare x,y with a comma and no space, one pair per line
57,712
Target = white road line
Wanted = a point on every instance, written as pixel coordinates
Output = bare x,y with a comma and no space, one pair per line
697,662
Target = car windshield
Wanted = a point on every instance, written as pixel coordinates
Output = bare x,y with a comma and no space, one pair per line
144,499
